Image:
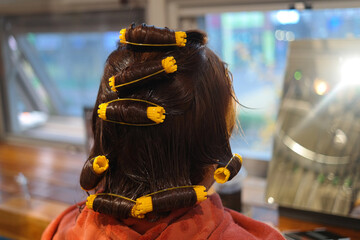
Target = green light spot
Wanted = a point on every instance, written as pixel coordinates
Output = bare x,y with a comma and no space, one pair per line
298,75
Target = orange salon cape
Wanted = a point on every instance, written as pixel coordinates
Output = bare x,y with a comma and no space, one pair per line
206,220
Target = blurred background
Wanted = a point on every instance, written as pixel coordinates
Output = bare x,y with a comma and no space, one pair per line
287,59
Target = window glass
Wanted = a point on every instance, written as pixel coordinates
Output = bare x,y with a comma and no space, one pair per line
255,44
57,75
74,63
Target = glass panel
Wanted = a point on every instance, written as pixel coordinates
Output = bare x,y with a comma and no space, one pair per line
74,63
316,160
255,45
56,76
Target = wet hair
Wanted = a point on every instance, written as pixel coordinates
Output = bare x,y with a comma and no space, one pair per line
234,167
89,179
194,135
137,71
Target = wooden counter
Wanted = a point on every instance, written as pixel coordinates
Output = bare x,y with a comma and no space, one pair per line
53,183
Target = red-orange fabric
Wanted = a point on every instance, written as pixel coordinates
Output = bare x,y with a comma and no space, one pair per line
207,220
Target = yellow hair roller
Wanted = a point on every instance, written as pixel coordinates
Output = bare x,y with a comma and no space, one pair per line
100,164
180,38
222,174
90,201
155,113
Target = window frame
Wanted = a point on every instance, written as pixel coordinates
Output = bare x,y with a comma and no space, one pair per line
177,10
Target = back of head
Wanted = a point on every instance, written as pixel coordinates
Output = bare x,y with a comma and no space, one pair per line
145,157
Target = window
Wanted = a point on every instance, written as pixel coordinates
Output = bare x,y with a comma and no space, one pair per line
53,70
255,44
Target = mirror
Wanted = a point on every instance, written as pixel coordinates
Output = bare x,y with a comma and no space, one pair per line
316,154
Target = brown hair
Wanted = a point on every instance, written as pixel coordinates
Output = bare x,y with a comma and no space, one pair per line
149,34
177,152
132,73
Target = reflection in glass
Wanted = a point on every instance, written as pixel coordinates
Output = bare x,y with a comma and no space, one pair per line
316,156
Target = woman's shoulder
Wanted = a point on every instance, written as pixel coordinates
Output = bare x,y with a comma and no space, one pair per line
234,225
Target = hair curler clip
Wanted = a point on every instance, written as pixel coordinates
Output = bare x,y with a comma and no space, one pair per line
222,174
180,40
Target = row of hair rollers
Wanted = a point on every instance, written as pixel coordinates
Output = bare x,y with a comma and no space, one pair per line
140,73
150,36
161,201
123,206
127,36
95,169
133,76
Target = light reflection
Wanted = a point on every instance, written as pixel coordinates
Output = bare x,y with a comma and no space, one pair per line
350,71
316,110
320,86
281,35
288,16
298,75
290,36
270,200
12,43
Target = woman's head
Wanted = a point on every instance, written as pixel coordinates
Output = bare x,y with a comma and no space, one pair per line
198,100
